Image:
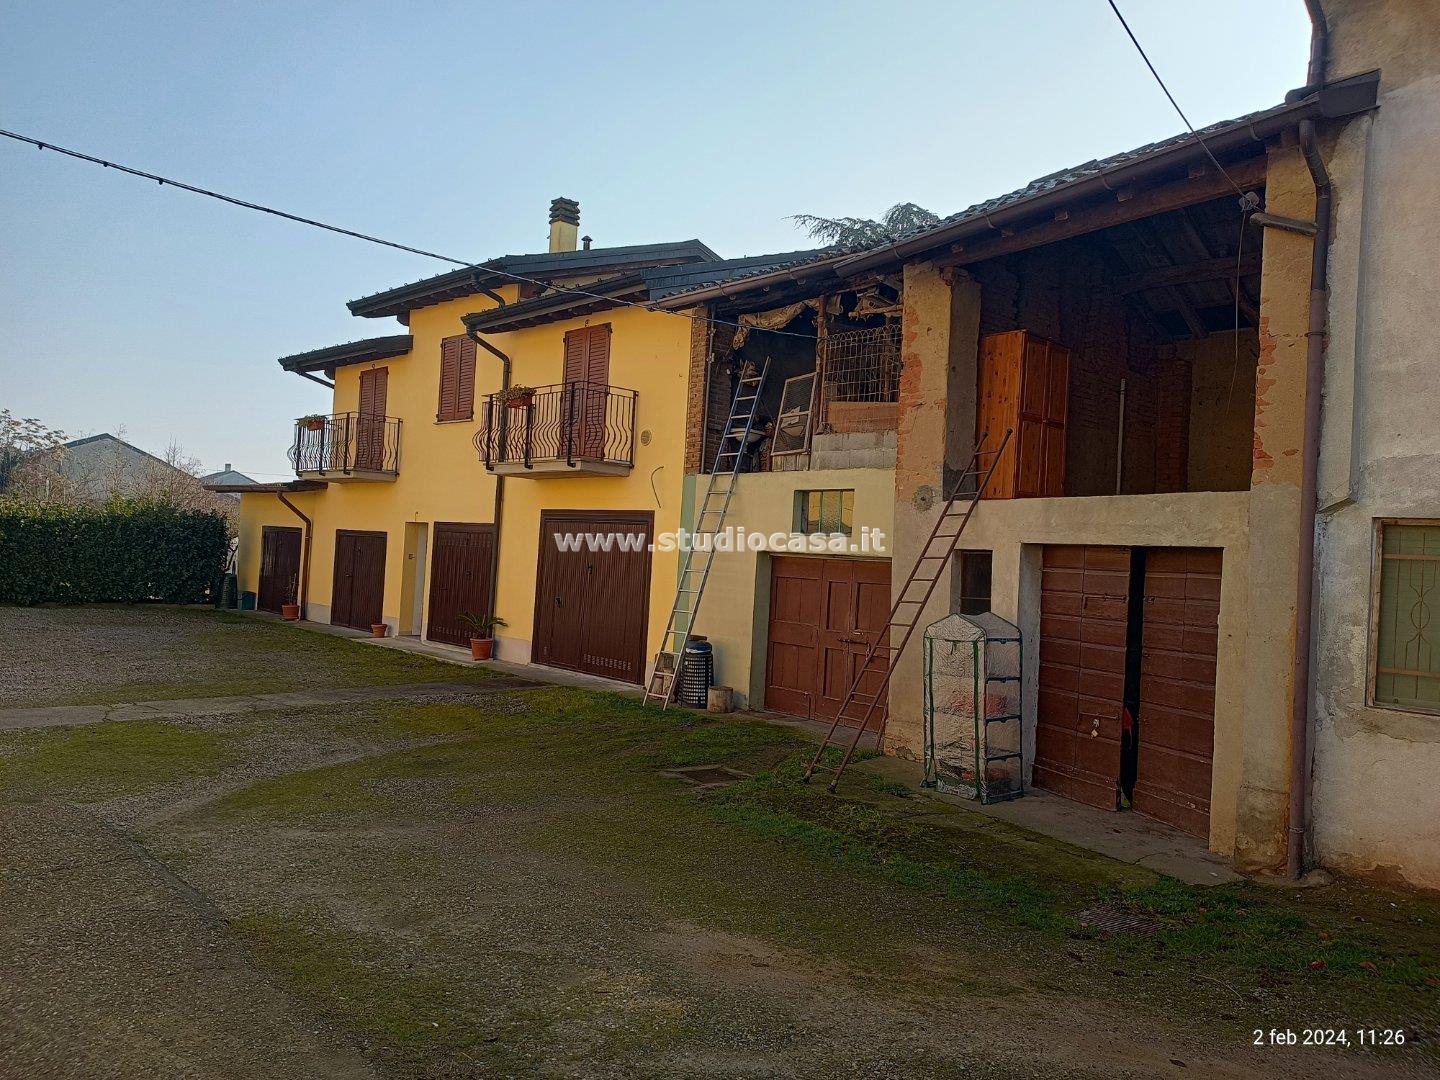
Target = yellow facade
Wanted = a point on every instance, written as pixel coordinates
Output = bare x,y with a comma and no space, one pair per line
442,479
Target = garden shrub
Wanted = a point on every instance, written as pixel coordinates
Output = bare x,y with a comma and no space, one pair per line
122,551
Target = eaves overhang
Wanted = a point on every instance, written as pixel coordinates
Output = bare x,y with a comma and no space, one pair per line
285,487
1230,139
352,352
568,304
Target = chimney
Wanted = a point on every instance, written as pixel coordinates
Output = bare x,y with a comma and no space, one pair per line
564,224
227,467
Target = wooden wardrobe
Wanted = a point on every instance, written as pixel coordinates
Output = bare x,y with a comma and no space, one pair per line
1024,386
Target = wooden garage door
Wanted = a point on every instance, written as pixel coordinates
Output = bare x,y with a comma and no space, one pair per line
1176,726
824,615
279,567
1084,607
592,605
461,565
358,597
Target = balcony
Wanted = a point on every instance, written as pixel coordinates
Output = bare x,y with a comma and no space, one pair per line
565,429
346,446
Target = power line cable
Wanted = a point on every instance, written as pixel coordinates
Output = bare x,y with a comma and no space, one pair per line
1175,104
42,144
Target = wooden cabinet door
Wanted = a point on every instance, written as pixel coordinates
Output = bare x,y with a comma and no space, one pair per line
1084,615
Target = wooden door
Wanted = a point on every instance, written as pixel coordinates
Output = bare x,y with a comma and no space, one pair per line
358,595
587,378
461,566
370,424
1175,730
1084,616
279,567
1024,386
824,615
592,592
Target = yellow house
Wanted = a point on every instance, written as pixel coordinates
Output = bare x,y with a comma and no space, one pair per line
436,489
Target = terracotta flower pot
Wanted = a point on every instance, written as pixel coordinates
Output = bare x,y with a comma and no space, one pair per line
378,629
482,648
290,612
519,402
314,425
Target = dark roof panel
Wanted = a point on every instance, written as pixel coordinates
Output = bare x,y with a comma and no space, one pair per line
469,280
352,352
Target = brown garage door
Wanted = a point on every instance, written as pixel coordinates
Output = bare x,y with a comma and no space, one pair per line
592,605
824,615
1176,725
279,567
460,580
358,599
1084,608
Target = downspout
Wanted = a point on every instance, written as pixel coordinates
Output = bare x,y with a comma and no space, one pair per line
304,553
498,513
1314,387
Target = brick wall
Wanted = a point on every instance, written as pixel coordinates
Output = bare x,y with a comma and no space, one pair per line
695,391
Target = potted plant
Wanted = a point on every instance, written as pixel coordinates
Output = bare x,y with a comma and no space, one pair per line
517,397
378,629
482,645
290,609
312,422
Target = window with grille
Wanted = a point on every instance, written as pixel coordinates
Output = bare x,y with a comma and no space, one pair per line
824,511
1407,611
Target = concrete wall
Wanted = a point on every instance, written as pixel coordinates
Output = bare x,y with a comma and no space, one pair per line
1376,802
735,612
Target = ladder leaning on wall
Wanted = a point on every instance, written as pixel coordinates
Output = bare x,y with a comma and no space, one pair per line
695,564
858,708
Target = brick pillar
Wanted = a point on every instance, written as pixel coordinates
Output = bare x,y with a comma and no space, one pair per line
1262,802
695,392
936,434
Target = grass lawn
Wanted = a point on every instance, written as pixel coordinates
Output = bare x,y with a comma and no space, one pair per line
111,653
516,888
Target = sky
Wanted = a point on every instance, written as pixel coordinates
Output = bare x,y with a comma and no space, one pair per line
129,306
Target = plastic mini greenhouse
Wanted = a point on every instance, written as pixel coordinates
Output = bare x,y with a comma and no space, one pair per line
973,707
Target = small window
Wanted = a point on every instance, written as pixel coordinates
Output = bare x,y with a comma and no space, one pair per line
974,582
1407,631
824,512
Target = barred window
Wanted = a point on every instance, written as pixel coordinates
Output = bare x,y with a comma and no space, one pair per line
824,511
1407,605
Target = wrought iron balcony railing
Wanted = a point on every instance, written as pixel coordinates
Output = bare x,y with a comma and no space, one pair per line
347,446
574,424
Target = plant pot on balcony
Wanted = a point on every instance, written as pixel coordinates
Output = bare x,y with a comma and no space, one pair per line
290,612
378,629
521,402
482,648
313,423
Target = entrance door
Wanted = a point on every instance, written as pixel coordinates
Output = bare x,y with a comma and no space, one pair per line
1176,726
825,613
279,567
1084,608
460,580
592,596
358,598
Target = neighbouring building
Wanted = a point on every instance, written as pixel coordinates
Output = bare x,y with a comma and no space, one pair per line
228,477
435,490
100,467
1178,343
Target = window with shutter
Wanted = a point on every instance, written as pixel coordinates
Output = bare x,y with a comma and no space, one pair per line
457,379
587,375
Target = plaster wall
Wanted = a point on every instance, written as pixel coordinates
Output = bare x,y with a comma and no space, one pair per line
1375,806
735,613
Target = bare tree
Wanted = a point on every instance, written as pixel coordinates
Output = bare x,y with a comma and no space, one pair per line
30,453
900,219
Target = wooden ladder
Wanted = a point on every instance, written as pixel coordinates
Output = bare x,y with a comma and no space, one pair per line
709,520
905,614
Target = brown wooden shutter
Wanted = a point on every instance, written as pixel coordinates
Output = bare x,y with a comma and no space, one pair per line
587,355
449,378
373,385
465,381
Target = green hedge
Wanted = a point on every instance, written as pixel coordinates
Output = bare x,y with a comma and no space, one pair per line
124,551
